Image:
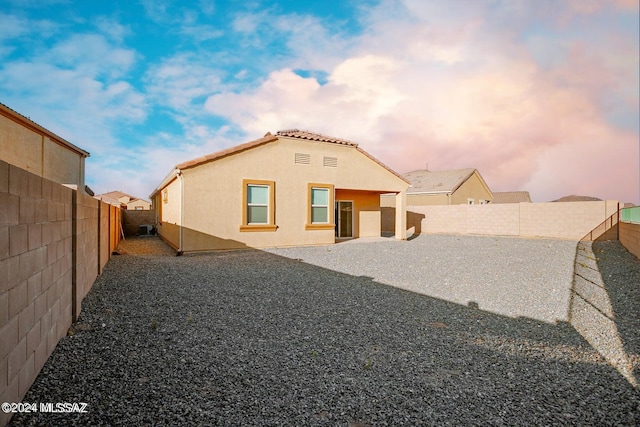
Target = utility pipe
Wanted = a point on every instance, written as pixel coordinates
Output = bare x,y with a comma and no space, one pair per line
181,178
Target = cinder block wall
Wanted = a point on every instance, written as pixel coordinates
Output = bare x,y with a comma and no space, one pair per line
35,276
85,248
106,212
50,237
132,220
571,220
630,237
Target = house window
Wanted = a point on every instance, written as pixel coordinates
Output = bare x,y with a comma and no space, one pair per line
258,212
320,207
165,195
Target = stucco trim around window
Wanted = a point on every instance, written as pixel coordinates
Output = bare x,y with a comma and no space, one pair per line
268,202
314,207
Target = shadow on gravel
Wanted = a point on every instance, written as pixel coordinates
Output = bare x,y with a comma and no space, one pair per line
620,270
605,302
252,338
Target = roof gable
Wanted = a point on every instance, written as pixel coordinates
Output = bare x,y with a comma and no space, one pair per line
290,133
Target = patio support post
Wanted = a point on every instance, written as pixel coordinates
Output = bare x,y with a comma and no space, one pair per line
401,215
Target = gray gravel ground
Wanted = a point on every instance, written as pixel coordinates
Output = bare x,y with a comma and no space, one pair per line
259,338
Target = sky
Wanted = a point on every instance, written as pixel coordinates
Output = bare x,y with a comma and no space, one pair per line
538,95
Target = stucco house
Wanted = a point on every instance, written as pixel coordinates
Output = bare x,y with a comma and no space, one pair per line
451,187
29,146
292,188
125,200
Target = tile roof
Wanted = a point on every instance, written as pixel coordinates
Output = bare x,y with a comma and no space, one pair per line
511,197
227,152
425,181
291,133
304,134
27,122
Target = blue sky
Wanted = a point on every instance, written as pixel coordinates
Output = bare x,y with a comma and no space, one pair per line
538,95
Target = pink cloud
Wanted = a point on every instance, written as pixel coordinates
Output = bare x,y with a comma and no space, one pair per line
468,94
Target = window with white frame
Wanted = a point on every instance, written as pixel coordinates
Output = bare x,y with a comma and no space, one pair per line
320,207
258,206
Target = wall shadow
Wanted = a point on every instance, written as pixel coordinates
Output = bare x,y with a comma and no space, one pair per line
196,241
287,341
388,222
605,302
620,271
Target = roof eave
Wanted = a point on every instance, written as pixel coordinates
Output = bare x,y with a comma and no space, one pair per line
30,124
228,152
166,181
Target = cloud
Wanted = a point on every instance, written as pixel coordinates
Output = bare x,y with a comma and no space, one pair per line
112,28
76,88
178,80
90,55
426,82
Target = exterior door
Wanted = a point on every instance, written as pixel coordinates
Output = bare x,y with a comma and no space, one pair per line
344,226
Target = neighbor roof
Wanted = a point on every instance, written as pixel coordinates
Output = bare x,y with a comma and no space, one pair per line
115,195
511,197
426,181
30,124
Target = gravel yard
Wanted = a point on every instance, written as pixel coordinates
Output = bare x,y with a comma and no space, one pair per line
440,330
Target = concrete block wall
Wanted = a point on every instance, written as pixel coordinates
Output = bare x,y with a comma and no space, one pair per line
50,237
85,248
35,276
494,219
630,237
132,220
105,212
442,219
571,220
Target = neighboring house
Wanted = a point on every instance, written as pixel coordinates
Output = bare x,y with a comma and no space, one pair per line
292,188
453,187
125,200
31,147
501,197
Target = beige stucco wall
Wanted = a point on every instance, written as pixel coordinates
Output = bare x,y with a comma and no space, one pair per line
472,188
139,204
37,153
213,199
366,211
